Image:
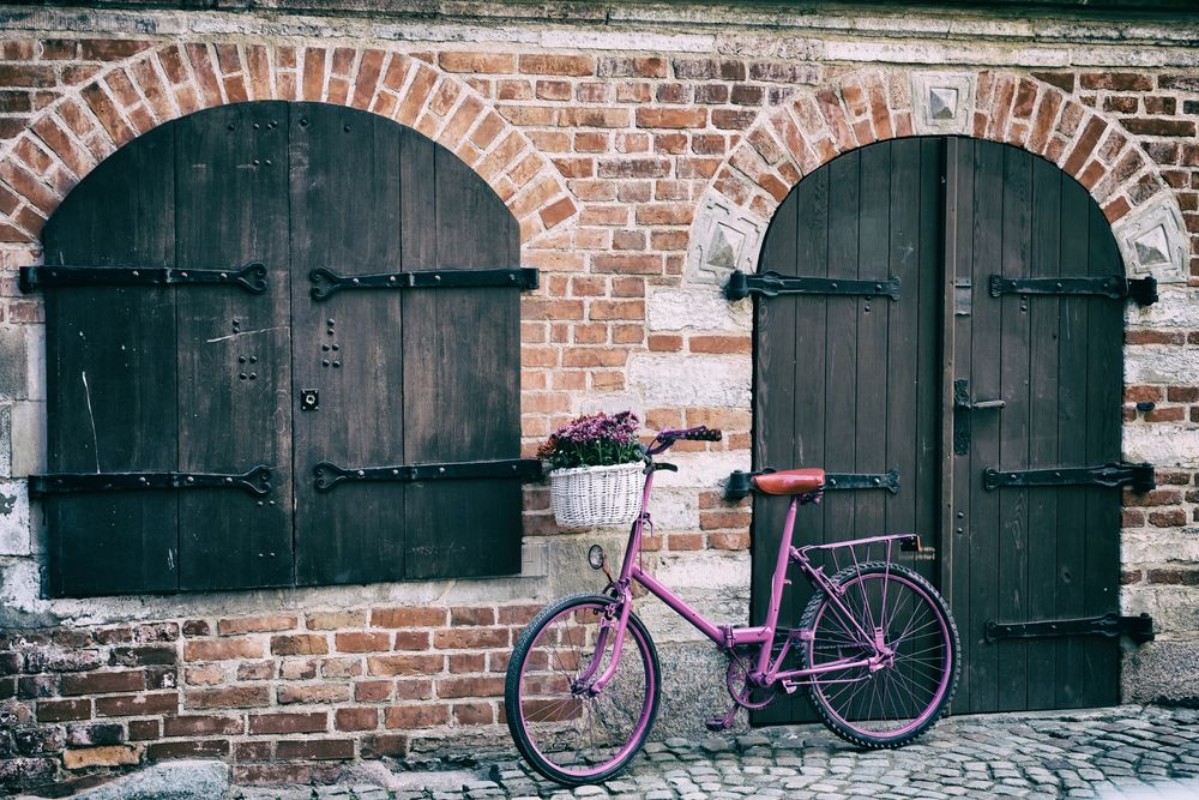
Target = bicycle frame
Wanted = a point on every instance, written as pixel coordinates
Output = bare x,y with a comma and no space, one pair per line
766,672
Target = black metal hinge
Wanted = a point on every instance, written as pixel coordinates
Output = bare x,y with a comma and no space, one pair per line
328,475
1138,628
1116,474
251,277
256,481
1141,290
326,282
771,284
739,486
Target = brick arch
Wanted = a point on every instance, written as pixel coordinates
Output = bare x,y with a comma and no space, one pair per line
868,106
69,138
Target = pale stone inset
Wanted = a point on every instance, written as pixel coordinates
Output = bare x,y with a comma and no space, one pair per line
724,238
1154,241
942,102
700,308
1152,248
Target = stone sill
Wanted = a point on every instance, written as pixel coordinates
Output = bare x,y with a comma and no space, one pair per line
1159,23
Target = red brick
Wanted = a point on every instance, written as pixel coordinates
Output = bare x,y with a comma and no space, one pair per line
422,716
477,62
720,344
137,705
412,640
1173,518
470,687
372,691
672,117
312,722
407,617
222,649
304,644
141,730
63,710
262,624
205,748
1116,81
1160,127
203,725
335,620
359,642
394,745
357,719
665,343
405,665
474,713
470,638
1177,577
577,66
228,697
313,693
104,682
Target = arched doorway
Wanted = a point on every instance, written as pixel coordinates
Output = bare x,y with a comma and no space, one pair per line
163,366
955,372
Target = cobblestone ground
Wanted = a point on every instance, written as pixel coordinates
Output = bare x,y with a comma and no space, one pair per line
1130,752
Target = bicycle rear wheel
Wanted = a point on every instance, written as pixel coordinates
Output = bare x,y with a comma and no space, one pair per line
911,686
564,731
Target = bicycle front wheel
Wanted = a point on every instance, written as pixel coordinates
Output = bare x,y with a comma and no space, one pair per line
562,727
892,616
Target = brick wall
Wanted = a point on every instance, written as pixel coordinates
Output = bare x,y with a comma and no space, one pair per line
287,697
611,147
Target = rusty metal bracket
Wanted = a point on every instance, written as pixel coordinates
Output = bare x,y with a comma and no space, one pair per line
326,282
327,474
771,284
256,481
251,277
1112,625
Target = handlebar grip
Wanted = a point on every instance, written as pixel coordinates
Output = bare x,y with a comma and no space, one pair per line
703,434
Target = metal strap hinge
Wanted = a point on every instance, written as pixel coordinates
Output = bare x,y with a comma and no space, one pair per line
328,475
1114,475
256,481
326,282
739,485
1141,290
251,277
771,284
1111,625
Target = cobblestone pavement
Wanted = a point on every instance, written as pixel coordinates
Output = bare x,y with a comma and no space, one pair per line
1130,753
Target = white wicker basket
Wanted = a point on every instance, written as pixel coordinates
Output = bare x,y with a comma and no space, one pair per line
594,497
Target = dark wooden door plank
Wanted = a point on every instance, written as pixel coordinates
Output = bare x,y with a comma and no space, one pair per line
111,377
470,340
232,209
345,202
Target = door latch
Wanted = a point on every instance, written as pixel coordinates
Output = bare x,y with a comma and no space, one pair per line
310,400
962,406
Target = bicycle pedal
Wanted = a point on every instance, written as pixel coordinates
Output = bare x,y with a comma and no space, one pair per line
717,724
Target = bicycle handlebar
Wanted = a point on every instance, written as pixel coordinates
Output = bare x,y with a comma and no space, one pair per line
669,436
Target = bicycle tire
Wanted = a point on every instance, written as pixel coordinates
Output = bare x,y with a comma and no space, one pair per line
566,736
902,699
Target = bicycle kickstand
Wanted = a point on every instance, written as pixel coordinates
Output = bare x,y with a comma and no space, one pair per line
716,724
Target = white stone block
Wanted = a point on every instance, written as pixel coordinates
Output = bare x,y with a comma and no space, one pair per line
1162,445
15,539
1176,308
674,510
702,470
1160,547
699,308
35,362
692,380
28,438
619,40
1160,364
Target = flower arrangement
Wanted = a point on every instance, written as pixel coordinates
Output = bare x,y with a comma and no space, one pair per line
597,476
598,440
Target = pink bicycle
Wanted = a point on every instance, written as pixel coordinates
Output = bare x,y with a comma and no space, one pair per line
876,647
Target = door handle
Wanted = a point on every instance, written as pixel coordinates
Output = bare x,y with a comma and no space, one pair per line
961,399
962,404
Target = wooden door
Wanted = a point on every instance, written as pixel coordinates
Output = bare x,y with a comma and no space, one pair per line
864,386
1055,362
166,375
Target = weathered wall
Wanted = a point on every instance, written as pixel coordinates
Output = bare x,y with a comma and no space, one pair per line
633,142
